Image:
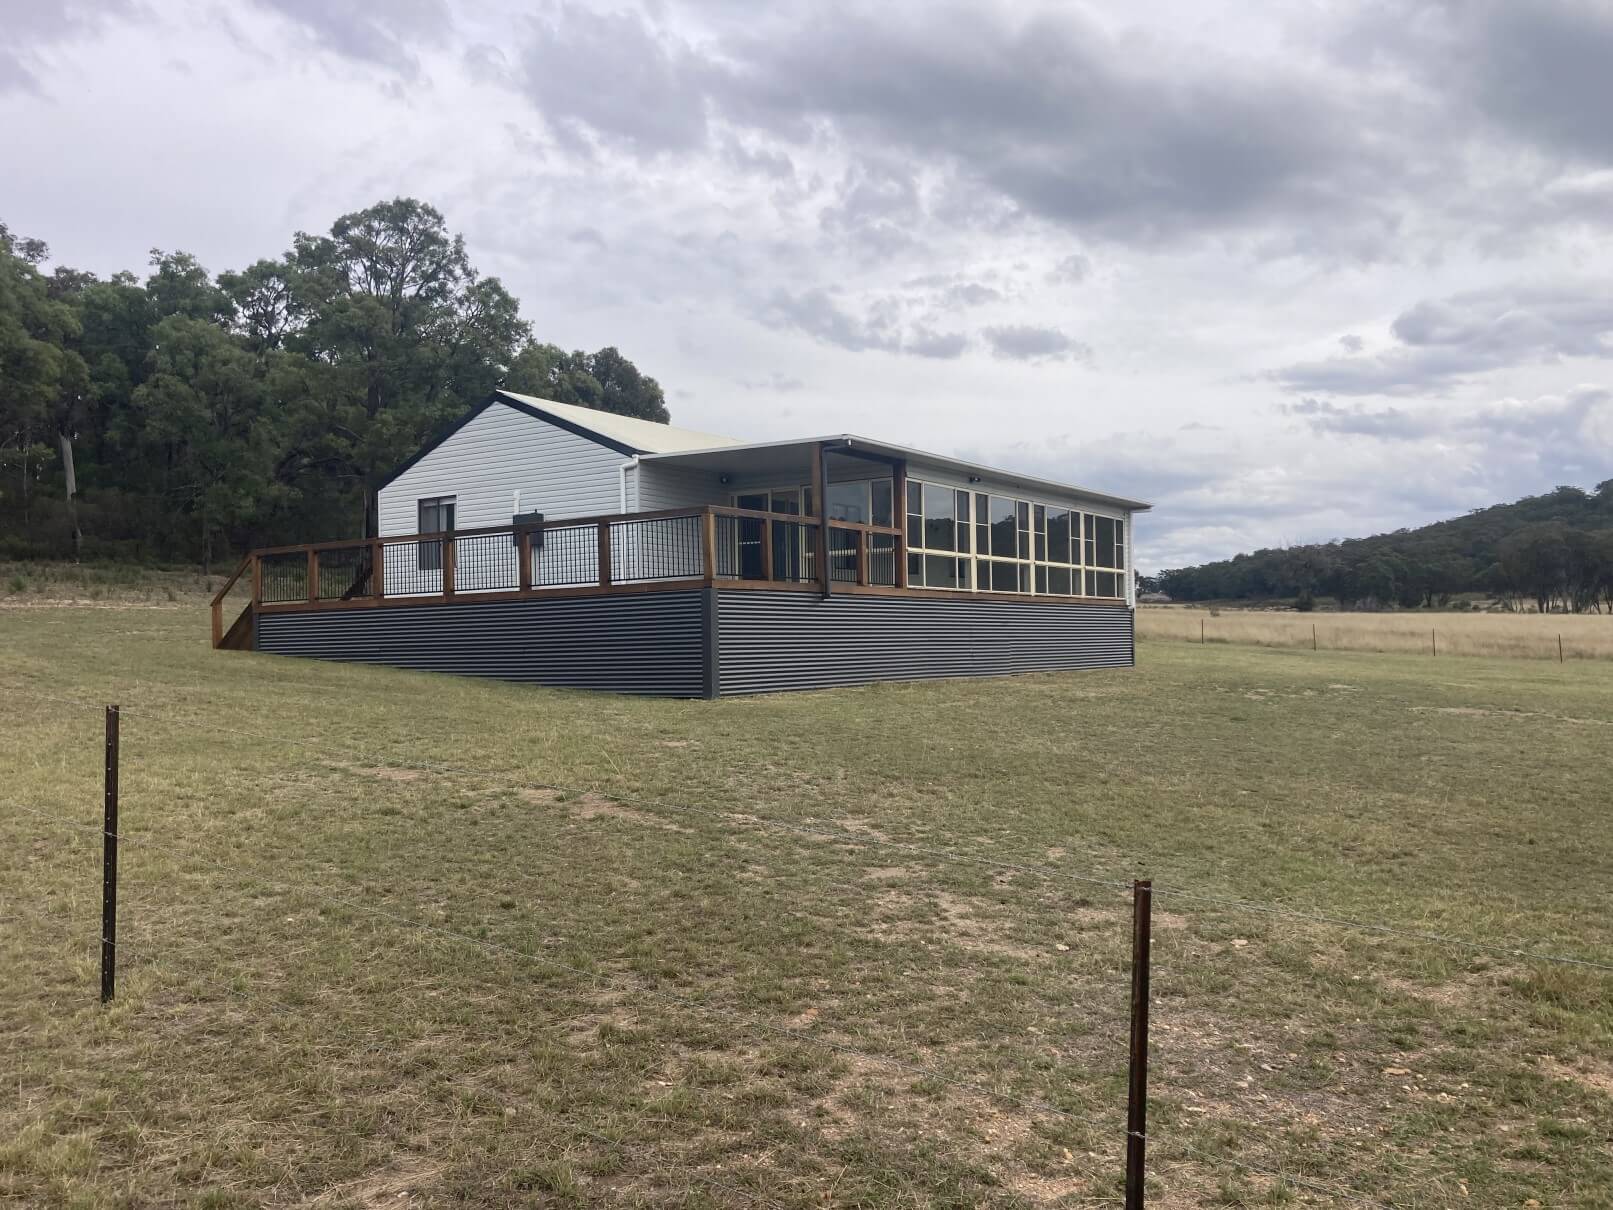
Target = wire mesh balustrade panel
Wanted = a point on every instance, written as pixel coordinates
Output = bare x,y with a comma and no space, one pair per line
740,549
729,558
345,572
568,558
795,552
843,544
487,563
882,560
283,577
659,548
411,569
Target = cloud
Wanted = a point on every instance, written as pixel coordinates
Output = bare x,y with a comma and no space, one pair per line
618,78
1072,269
774,383
1580,419
1027,342
1215,493
1537,72
31,29
1443,341
366,32
1047,112
819,316
942,345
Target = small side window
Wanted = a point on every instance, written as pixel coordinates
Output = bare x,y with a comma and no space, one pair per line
436,516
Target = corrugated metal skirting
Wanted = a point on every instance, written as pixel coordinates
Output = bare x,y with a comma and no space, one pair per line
772,641
652,643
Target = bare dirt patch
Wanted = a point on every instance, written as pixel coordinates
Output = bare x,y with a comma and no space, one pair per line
392,1186
1598,1077
594,806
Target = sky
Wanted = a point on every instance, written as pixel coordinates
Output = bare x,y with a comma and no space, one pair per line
1291,272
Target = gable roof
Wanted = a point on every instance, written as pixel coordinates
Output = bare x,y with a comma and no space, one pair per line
639,436
627,435
630,436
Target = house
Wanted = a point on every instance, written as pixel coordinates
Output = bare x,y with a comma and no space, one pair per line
540,541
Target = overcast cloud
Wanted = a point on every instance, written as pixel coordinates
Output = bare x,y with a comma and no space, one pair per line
1309,273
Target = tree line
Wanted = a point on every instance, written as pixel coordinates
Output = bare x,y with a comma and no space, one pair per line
1552,552
190,416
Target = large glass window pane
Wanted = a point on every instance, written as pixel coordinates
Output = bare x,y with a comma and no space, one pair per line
1004,534
1058,536
1040,518
849,502
940,571
1058,581
940,521
915,496
1005,577
881,491
1106,542
787,502
757,500
1041,579
915,571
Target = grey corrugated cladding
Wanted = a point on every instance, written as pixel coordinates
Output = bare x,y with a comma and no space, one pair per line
701,642
775,640
649,643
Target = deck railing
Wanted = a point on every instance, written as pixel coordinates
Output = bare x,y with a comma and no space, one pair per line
622,553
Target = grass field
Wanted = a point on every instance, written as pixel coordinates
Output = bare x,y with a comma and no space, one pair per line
1433,634
391,939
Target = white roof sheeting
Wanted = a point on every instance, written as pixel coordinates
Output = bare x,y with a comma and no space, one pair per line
708,452
644,435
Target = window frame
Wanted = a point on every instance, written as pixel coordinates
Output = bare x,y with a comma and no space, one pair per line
428,555
1036,565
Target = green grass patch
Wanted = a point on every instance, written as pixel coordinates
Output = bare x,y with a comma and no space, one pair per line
390,934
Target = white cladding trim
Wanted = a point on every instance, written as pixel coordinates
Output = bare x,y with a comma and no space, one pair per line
497,453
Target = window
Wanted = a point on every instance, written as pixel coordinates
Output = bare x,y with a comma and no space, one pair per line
963,540
852,501
937,532
435,516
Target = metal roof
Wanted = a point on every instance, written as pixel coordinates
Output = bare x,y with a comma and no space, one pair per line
645,436
727,455
763,456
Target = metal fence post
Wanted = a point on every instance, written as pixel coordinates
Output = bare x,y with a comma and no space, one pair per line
1142,894
109,862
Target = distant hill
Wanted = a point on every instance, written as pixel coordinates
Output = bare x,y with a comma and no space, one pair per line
1555,550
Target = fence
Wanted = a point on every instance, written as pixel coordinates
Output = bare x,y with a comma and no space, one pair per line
1554,637
1029,1035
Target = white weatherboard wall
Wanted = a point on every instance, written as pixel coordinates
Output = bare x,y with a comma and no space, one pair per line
499,452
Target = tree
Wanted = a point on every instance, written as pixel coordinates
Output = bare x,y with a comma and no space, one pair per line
1535,563
400,333
202,415
605,380
42,380
263,405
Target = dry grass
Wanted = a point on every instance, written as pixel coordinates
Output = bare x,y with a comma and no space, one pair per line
373,958
1491,635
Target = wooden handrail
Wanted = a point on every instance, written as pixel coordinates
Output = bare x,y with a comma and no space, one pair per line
217,606
240,570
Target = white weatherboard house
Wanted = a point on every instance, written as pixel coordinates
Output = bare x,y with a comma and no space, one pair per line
545,542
